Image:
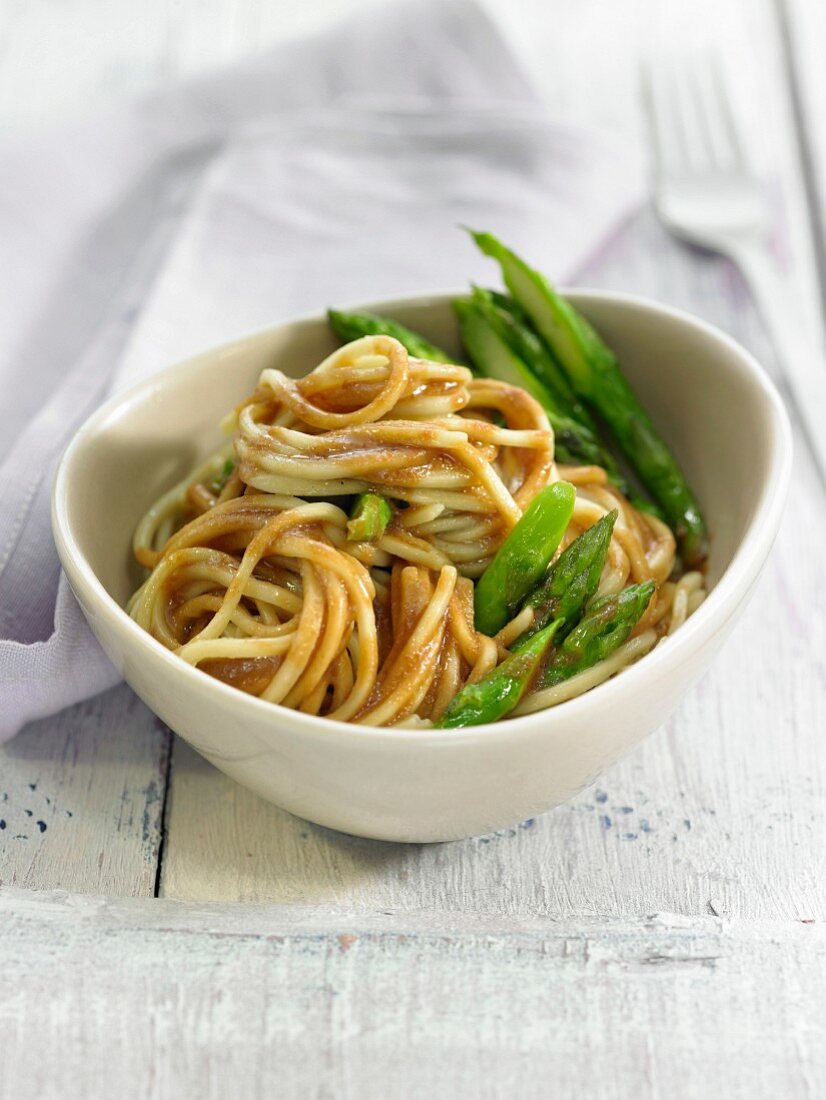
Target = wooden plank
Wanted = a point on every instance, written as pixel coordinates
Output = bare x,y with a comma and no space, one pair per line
721,812
255,1001
81,799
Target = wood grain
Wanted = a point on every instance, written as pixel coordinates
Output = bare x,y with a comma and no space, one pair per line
220,1001
81,799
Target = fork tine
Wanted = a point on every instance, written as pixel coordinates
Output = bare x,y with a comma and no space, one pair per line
728,123
699,116
653,116
664,121
691,116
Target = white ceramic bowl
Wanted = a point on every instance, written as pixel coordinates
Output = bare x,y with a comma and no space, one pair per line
712,402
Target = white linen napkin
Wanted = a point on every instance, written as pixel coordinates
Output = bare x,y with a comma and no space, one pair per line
334,169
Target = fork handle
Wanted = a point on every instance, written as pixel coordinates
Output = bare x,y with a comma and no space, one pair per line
802,360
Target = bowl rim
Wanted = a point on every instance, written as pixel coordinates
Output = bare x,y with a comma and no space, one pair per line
700,629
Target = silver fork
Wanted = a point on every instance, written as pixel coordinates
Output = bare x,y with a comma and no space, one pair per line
707,195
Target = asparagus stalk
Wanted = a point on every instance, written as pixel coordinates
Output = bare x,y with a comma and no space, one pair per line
572,580
369,518
579,448
576,442
351,326
499,692
219,481
493,357
485,334
516,327
594,373
523,557
605,626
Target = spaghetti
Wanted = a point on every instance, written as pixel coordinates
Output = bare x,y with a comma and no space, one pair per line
254,580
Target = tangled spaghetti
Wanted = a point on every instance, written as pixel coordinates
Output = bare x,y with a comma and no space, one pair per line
254,580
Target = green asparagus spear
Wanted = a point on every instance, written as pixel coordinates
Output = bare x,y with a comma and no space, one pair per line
498,693
604,627
369,518
571,582
594,373
351,326
575,436
572,579
523,557
570,448
516,329
222,477
492,356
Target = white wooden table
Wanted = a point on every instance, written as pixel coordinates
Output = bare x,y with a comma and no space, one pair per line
166,933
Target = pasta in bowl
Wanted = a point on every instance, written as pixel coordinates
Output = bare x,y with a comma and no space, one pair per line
153,462
260,578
